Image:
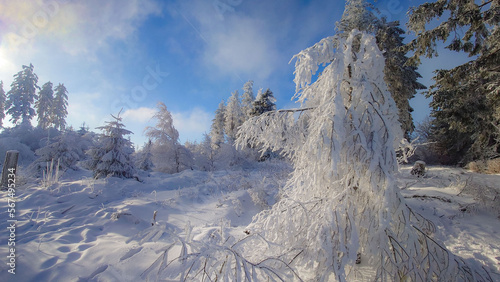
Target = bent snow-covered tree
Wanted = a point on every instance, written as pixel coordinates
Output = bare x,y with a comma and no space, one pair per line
342,216
169,156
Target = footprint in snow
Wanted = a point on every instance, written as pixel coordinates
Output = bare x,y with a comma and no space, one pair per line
73,256
50,262
64,249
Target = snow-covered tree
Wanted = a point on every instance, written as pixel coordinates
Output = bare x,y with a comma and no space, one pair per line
43,105
111,157
59,107
233,116
265,102
65,150
217,128
169,155
144,157
400,78
84,129
247,99
205,154
22,95
2,104
343,216
465,99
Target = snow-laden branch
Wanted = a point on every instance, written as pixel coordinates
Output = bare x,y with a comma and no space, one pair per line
308,60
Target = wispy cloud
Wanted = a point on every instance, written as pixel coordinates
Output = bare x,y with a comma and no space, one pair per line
240,44
78,27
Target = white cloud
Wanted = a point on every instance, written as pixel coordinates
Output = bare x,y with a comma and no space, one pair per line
192,124
141,115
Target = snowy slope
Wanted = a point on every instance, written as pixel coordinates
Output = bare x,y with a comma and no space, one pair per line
82,229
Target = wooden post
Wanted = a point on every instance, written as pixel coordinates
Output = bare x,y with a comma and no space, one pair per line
11,158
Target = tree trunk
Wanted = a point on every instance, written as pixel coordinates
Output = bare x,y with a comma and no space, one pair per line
11,158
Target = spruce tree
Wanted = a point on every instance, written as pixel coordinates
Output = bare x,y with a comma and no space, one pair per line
217,128
247,99
233,117
111,157
265,102
44,105
465,99
60,107
22,95
144,157
2,104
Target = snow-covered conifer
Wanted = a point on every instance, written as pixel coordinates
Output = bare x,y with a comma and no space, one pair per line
265,102
233,117
59,107
22,95
342,205
465,99
43,105
144,157
247,99
217,128
112,154
2,104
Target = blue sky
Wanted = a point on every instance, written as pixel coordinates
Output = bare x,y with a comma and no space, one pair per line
189,54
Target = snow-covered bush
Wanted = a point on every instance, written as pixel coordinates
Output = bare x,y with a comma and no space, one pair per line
112,154
65,151
26,155
418,169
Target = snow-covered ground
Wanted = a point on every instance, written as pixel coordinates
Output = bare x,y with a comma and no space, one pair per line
81,229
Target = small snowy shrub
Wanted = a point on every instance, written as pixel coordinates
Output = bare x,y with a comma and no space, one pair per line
64,152
418,169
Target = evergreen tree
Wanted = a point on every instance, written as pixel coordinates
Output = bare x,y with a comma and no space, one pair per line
400,78
233,117
217,128
112,154
84,129
247,99
59,107
22,95
169,155
44,105
265,102
465,99
2,104
144,157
